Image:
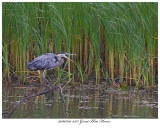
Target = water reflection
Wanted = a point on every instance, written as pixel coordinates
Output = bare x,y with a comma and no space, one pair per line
83,102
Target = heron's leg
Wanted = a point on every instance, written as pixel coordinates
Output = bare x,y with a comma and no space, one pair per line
46,79
43,80
44,84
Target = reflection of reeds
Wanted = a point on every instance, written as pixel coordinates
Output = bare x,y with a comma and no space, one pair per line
116,40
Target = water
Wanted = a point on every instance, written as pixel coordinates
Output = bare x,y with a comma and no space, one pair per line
82,102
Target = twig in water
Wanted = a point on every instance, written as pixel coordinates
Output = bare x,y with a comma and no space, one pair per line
34,95
62,96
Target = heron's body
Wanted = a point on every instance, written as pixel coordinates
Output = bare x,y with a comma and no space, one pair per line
48,61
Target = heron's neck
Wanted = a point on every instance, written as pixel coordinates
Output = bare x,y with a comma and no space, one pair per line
60,59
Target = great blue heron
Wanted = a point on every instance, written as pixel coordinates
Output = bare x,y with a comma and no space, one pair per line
48,61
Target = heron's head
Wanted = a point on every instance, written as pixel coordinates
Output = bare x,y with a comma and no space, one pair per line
64,55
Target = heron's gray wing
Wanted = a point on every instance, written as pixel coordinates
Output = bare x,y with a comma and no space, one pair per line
45,61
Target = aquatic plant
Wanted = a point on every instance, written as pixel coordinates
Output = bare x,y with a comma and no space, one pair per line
111,40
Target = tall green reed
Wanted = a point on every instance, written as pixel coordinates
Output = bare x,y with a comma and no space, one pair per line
111,40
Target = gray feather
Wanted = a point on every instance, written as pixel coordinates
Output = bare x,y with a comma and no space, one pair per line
45,61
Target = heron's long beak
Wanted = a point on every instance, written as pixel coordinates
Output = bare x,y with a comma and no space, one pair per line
68,58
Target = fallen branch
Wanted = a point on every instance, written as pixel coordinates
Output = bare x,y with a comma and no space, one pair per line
34,95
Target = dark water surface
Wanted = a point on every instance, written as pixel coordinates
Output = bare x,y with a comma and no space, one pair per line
82,102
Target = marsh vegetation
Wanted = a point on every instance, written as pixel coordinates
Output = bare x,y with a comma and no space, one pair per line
113,41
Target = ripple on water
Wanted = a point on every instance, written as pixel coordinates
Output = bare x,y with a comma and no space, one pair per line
84,101
48,104
86,107
125,116
72,96
5,101
122,97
